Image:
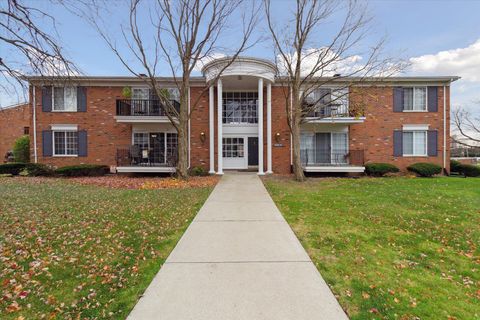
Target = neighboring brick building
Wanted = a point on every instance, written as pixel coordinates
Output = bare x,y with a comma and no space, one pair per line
14,122
399,120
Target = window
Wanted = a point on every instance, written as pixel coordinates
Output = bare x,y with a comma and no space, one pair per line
415,99
155,147
414,143
233,147
26,130
141,140
339,147
64,98
140,93
172,142
240,107
65,143
324,148
327,102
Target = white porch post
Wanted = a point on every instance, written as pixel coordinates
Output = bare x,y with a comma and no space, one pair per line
260,126
211,124
269,127
220,128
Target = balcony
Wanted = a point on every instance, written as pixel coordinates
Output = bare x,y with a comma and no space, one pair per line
143,110
332,113
328,160
135,159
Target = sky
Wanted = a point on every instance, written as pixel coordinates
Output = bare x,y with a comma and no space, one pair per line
437,37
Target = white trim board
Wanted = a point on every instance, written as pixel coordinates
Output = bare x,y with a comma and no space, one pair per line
413,127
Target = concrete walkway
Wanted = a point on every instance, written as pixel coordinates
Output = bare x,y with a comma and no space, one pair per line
238,259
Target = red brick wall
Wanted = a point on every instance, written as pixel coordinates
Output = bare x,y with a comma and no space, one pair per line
103,132
280,154
12,122
199,150
375,135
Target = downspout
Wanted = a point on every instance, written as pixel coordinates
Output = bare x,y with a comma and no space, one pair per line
34,126
189,132
291,136
444,129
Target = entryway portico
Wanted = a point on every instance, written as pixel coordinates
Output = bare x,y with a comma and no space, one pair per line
240,112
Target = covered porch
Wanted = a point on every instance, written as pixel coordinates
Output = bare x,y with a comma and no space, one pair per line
153,149
326,149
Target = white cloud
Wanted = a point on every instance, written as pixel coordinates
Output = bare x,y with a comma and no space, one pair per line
332,64
201,62
464,62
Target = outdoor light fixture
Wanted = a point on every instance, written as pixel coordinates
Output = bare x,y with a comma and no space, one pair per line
202,136
277,136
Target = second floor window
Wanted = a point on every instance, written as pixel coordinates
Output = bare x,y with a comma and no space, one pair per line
64,98
240,107
327,102
415,99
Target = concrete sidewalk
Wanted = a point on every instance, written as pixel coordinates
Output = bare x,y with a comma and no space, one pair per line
238,259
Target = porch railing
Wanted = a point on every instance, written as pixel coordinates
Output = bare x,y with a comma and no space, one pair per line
314,157
333,110
145,157
143,107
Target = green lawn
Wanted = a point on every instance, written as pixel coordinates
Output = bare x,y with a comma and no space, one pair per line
391,248
81,252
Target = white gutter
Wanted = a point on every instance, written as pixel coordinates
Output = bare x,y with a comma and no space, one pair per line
34,126
444,128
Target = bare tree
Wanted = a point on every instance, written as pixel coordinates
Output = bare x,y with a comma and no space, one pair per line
29,48
307,60
182,35
468,128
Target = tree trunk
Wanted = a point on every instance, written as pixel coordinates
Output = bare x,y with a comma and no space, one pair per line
297,160
182,164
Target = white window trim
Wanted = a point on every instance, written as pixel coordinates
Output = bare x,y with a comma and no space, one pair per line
53,99
415,127
64,127
413,102
425,132
53,143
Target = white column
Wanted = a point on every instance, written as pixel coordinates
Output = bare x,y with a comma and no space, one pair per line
269,127
220,128
211,128
260,126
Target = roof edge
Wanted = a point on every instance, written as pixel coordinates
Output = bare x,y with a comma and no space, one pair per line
203,79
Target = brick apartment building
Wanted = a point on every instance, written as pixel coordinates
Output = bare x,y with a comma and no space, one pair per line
14,122
90,120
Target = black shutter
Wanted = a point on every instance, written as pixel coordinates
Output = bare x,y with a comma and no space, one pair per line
81,99
82,143
47,99
397,99
432,143
432,99
47,143
397,143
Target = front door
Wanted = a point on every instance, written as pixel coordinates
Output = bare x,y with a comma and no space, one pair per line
323,148
157,147
253,151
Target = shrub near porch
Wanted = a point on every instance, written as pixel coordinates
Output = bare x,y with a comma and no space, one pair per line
69,251
391,248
